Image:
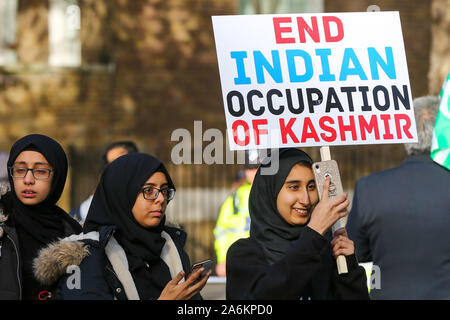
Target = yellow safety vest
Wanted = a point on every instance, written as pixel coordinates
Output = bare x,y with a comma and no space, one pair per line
233,222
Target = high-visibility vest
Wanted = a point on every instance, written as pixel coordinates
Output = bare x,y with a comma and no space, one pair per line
233,222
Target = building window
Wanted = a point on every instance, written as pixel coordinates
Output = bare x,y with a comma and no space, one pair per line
8,14
280,6
64,33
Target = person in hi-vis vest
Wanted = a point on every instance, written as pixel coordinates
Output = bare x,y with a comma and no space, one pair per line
233,222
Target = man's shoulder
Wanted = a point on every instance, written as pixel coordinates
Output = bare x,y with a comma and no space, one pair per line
377,179
382,174
411,164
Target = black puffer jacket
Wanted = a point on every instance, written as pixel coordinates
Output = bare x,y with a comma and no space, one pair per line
10,264
91,275
306,272
10,257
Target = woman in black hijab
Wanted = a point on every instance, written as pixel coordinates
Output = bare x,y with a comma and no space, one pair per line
126,222
289,254
30,220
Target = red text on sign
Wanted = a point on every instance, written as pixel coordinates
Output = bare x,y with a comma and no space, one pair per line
283,29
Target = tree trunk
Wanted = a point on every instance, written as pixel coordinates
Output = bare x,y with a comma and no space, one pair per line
440,46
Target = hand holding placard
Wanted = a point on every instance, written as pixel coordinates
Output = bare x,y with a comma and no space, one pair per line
321,171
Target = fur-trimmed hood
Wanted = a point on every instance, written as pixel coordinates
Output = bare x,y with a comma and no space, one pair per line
52,261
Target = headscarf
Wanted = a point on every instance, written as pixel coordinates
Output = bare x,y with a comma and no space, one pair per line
40,224
270,229
44,221
267,226
112,205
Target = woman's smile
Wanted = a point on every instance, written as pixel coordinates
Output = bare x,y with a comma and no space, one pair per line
302,212
298,196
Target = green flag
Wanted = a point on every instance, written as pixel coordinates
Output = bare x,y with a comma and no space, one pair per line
440,148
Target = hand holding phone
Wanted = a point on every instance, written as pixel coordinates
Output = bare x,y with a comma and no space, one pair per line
333,205
206,265
174,290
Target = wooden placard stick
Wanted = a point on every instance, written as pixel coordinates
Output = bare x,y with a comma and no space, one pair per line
340,260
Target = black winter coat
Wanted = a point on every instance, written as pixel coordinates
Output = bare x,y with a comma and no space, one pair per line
10,262
98,280
10,257
307,271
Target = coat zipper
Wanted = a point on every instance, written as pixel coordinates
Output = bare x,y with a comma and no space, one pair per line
18,266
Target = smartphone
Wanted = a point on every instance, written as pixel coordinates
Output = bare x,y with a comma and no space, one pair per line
206,264
322,170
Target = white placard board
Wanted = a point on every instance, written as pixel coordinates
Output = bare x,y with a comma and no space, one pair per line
299,80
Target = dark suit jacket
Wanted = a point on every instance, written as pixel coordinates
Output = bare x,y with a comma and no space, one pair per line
400,220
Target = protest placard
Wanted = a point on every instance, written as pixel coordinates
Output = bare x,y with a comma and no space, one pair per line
314,79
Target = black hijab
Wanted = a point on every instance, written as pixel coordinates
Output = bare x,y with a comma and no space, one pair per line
112,205
268,227
44,221
40,224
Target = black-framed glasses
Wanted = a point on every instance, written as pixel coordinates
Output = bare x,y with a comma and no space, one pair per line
38,173
151,193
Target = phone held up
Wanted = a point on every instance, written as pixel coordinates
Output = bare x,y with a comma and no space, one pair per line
322,170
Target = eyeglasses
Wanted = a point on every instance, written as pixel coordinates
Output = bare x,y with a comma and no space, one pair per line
38,173
151,193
